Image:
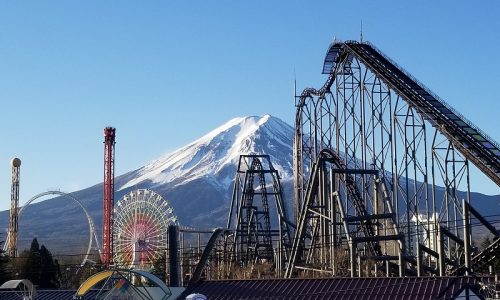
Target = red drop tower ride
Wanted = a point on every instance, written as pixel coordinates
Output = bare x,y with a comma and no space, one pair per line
108,196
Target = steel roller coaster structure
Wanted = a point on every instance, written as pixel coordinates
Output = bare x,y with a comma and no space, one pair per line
373,150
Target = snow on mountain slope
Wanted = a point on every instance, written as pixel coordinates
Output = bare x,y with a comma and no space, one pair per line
214,156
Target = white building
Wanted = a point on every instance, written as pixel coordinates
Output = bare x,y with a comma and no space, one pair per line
424,231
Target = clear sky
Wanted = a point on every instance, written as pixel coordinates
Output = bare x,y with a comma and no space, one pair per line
166,72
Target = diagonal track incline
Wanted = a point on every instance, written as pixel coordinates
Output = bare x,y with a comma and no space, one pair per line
474,144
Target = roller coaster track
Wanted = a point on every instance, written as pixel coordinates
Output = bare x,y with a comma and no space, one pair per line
482,260
487,256
474,144
356,198
327,155
206,255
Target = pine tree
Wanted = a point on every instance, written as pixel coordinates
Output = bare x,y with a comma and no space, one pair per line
39,266
48,270
30,268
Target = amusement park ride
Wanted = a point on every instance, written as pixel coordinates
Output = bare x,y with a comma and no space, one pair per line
108,196
381,188
372,148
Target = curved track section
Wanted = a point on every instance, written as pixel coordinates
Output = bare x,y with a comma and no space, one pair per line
92,234
206,254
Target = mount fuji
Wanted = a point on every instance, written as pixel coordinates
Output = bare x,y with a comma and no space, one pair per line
195,179
215,155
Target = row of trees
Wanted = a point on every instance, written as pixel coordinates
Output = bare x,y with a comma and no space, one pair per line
35,264
38,265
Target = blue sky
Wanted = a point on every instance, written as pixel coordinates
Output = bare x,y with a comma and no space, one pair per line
166,72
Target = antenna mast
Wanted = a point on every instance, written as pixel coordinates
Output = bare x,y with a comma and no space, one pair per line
361,32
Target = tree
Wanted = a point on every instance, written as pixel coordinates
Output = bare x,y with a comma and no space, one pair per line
49,269
30,266
39,266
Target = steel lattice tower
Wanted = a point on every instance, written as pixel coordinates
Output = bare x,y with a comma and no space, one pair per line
14,208
108,196
257,183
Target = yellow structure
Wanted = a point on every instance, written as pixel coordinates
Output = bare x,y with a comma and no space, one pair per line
120,281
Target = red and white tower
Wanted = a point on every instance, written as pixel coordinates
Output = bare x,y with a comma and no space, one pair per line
108,196
14,208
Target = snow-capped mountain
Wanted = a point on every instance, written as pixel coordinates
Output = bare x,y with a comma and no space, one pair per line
196,180
215,155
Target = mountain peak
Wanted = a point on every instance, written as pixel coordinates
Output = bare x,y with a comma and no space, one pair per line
215,155
246,124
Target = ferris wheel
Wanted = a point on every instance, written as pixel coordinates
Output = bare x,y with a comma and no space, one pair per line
141,219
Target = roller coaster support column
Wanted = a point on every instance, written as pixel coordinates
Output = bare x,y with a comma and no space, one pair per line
401,264
441,258
173,255
108,196
352,258
419,260
466,220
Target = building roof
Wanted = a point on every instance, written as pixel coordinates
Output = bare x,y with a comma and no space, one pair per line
385,288
47,295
